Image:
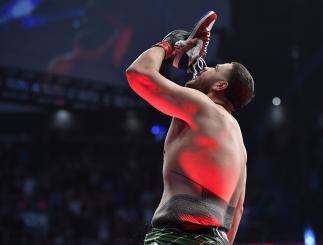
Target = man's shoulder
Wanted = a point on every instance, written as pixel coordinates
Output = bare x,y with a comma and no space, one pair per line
219,116
197,93
216,110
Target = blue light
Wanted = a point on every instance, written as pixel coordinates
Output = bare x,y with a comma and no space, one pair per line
155,130
17,9
35,87
158,131
34,21
309,237
23,8
22,85
35,2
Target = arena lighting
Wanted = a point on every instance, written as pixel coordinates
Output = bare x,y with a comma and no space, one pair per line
63,119
309,236
17,9
276,101
158,131
277,115
132,122
36,88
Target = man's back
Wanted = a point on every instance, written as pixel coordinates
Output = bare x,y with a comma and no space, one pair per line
205,163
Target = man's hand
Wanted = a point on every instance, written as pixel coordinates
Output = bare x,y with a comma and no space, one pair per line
173,42
177,45
187,48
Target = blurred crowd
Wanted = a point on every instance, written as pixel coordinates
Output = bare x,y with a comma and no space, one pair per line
74,195
58,191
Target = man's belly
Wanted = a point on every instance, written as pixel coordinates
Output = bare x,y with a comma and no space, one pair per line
186,201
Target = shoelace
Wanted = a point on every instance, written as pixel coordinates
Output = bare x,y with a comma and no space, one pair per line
198,66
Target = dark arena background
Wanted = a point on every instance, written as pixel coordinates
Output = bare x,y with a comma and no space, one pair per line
81,153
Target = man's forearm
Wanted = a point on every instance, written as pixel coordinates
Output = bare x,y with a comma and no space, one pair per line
235,224
149,61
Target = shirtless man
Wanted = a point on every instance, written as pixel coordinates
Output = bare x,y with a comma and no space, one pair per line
204,169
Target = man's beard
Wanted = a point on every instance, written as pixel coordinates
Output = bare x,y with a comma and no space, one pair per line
189,84
196,84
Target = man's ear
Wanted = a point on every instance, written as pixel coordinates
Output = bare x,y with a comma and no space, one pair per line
220,85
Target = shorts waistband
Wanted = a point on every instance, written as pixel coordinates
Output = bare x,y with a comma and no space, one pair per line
207,230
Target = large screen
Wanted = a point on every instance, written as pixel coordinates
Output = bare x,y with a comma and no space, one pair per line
93,39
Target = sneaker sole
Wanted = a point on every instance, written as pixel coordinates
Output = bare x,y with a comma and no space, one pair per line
200,23
193,32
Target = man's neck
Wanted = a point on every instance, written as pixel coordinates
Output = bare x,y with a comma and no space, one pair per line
220,100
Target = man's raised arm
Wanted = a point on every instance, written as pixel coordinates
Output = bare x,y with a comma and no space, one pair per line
166,96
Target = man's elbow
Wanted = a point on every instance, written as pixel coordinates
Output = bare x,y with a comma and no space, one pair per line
138,75
137,69
138,81
130,69
132,72
129,75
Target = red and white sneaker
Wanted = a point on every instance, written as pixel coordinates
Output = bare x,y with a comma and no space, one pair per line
202,32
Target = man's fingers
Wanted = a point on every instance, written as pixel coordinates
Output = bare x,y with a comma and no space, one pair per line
185,45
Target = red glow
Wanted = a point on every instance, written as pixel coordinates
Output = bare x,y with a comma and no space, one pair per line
199,163
201,220
122,44
203,161
205,142
160,97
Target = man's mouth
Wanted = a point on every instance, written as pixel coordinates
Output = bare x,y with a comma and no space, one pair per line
196,76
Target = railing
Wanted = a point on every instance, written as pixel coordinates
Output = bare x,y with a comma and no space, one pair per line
37,88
